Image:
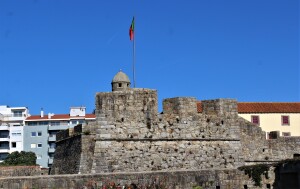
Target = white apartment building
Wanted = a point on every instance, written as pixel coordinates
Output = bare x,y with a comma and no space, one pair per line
40,132
11,129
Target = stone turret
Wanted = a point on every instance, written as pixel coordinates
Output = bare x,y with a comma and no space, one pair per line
120,82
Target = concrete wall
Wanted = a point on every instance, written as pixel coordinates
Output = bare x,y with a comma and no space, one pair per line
16,136
31,143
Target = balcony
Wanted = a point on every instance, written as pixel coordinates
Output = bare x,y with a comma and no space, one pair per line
51,150
4,127
58,127
4,149
4,138
13,117
52,138
50,160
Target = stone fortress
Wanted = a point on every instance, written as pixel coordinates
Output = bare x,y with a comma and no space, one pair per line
130,135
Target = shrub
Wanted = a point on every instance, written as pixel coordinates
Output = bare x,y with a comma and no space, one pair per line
20,158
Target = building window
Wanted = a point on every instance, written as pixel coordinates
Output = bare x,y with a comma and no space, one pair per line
255,119
285,120
286,134
39,133
17,113
39,145
31,123
13,144
16,134
38,156
33,145
33,134
53,123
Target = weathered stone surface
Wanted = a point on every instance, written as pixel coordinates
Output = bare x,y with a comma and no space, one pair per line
13,171
209,179
131,136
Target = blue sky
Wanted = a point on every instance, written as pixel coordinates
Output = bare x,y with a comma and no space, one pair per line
57,54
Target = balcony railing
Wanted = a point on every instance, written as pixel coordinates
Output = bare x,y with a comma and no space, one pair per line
9,117
51,150
4,127
58,127
50,160
4,150
52,138
4,138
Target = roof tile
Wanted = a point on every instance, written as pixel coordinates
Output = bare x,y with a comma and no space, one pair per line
264,107
57,117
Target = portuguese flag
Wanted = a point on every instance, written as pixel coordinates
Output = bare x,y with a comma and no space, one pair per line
131,30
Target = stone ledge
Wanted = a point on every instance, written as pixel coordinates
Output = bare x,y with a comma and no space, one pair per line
165,139
120,173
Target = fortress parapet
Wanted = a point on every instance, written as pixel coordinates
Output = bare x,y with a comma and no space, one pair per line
220,107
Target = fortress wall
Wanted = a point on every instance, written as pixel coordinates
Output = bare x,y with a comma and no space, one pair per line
220,107
14,171
132,105
118,156
74,154
254,144
130,137
209,179
135,117
257,149
180,106
285,147
67,155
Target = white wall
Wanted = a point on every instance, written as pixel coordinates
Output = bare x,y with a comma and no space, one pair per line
77,111
16,135
272,122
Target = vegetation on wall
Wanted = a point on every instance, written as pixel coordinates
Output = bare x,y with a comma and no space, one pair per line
255,172
20,158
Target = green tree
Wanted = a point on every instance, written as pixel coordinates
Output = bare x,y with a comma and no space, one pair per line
20,158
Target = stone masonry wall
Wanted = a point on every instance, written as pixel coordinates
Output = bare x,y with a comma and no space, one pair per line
180,106
13,171
220,107
130,136
74,153
67,155
208,179
167,155
261,150
284,147
138,105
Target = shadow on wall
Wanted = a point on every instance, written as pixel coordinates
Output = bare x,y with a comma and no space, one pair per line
287,174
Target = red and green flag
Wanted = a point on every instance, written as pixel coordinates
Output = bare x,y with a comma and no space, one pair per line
131,30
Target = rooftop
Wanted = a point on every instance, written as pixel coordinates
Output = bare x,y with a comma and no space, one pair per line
264,107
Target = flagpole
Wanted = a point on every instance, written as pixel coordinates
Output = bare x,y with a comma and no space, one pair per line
133,61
